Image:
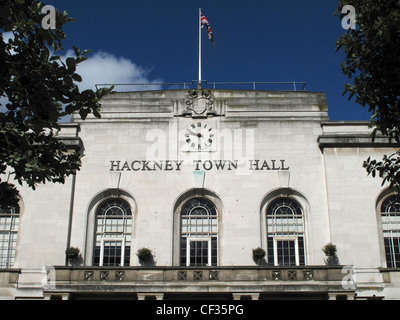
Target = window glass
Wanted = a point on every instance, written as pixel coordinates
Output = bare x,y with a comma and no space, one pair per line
9,222
113,223
285,232
199,219
390,214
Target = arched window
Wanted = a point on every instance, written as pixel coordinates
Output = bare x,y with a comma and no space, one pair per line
9,221
113,233
285,232
390,215
198,233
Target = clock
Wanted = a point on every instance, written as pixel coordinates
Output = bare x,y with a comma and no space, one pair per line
199,136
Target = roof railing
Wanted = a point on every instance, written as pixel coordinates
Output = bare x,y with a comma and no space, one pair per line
254,85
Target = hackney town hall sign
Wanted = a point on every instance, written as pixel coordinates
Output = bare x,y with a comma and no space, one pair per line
207,165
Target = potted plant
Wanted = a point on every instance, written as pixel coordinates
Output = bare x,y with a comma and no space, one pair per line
145,256
73,256
330,251
258,255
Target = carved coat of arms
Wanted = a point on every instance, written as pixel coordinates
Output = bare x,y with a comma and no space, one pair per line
199,101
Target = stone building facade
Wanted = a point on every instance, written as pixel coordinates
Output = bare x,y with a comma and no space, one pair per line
201,178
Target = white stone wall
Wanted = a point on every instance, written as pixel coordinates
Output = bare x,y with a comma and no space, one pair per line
43,225
352,205
241,191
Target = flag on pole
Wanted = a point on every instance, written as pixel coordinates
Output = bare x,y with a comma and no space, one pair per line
204,23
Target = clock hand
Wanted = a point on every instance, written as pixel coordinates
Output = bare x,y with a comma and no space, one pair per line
195,134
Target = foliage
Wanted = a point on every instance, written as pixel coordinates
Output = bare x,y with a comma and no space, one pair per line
145,255
7,191
72,253
74,256
330,251
39,89
388,169
258,254
372,63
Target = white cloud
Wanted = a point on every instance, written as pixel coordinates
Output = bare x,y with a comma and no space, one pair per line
105,68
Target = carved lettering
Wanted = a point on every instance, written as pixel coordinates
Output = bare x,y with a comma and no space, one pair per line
273,165
254,164
283,165
176,165
133,165
126,167
265,166
115,165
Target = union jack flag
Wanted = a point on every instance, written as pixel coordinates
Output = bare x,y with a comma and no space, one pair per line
204,23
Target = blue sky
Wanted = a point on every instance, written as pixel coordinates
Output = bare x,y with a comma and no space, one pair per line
255,40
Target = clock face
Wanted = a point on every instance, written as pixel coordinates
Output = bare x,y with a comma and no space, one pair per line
199,136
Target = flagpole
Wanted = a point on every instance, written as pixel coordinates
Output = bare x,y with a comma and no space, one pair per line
199,84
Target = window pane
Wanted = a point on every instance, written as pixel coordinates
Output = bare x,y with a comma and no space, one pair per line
113,219
9,221
286,252
198,253
284,218
112,253
390,213
199,219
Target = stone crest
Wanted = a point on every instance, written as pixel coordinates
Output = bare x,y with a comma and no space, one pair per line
199,101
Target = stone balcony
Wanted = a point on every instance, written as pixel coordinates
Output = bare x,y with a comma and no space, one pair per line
164,282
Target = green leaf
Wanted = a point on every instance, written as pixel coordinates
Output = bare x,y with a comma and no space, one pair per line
77,77
71,64
77,51
53,58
